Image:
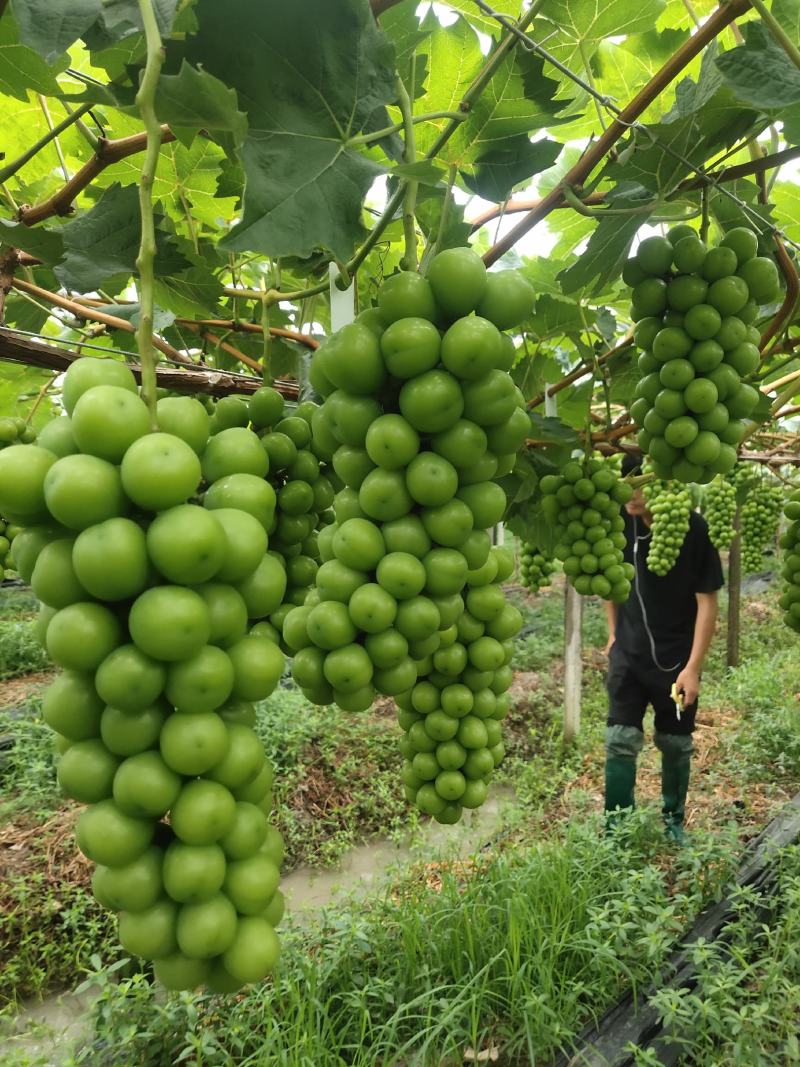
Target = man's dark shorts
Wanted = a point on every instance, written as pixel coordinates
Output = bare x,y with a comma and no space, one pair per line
633,683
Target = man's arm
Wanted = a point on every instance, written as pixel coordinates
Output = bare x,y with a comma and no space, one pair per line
611,619
688,681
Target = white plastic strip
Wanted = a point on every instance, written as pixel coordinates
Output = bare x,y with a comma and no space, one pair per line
342,300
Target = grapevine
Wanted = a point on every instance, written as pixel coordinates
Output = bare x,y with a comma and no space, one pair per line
584,504
146,600
694,308
719,508
670,505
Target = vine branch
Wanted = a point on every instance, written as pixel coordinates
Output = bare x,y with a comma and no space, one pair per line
146,103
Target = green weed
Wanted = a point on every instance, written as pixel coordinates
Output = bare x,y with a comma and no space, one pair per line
27,766
20,651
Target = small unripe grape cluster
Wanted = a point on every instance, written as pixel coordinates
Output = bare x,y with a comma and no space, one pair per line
147,600
535,567
758,522
694,309
15,431
452,717
8,531
719,509
420,415
670,504
790,571
583,503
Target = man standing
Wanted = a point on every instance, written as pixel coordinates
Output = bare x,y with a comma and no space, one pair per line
658,637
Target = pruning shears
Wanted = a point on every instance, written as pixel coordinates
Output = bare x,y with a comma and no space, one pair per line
677,697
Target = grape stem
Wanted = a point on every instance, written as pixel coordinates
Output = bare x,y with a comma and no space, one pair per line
145,101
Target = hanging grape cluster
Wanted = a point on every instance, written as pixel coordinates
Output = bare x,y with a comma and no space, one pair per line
719,509
670,505
148,590
694,309
790,571
758,522
419,416
535,567
584,504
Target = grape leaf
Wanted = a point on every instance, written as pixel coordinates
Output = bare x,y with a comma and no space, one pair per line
49,27
131,313
305,185
518,100
122,18
194,294
575,28
787,12
513,160
46,245
759,72
607,249
555,316
402,27
103,243
21,68
573,404
483,22
552,430
196,99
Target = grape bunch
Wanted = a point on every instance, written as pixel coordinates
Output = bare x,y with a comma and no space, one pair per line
452,716
535,567
419,416
670,504
790,572
583,503
719,508
146,600
758,522
694,309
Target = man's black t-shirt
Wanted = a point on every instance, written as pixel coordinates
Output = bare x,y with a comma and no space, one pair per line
669,601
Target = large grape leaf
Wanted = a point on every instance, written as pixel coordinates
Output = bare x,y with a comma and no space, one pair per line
787,12
49,27
103,244
518,100
759,72
122,18
575,28
483,22
195,293
512,161
329,71
21,68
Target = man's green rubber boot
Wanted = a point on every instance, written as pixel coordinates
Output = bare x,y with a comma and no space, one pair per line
676,762
623,745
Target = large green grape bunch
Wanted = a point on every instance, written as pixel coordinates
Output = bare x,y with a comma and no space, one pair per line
790,572
758,522
535,567
583,503
719,509
420,415
452,716
146,600
694,307
670,505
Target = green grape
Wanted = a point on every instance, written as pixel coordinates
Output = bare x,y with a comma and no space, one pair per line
759,520
719,508
695,393
670,505
790,571
583,504
535,567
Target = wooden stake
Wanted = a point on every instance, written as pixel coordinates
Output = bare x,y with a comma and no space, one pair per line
734,592
573,615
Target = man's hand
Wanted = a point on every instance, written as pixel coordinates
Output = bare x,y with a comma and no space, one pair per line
688,682
608,646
